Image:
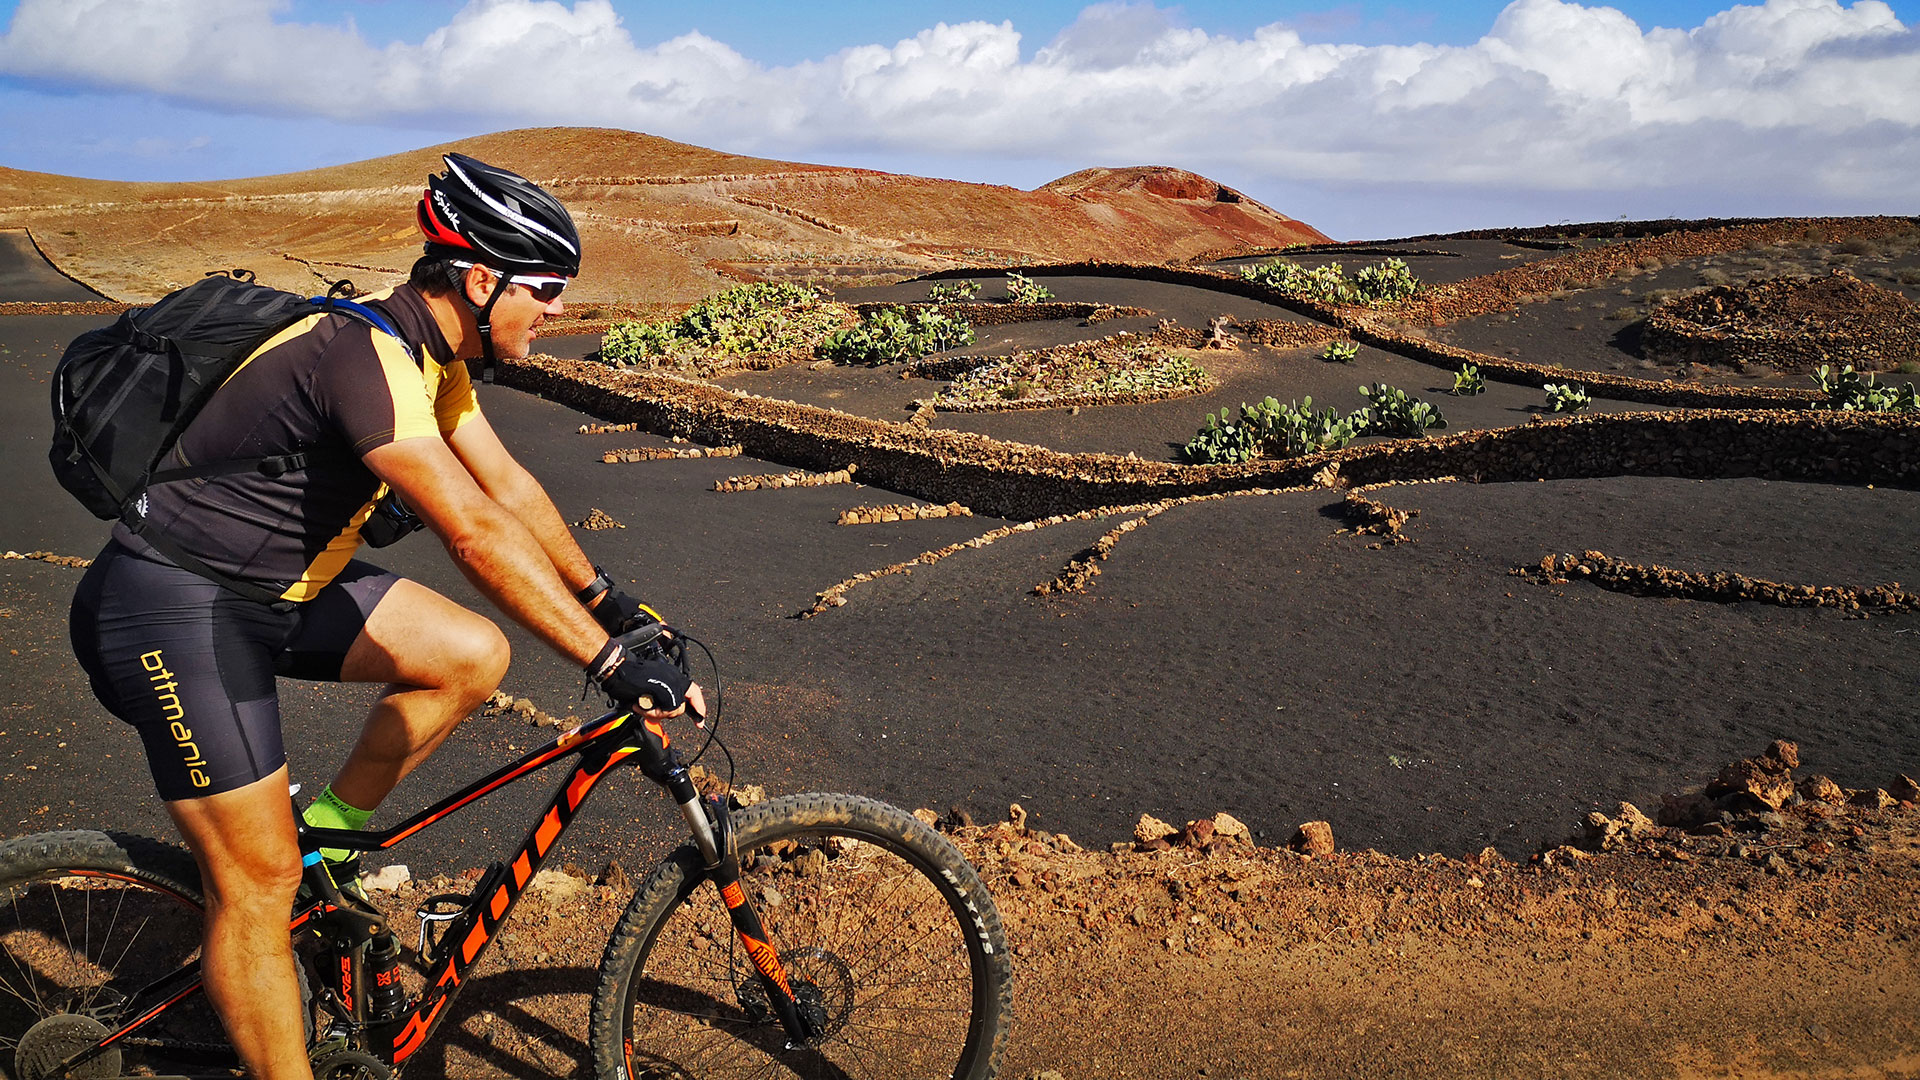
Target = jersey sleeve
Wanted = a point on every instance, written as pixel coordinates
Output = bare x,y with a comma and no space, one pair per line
372,391
454,400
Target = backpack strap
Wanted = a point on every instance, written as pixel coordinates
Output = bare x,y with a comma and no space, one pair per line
280,464
372,317
138,525
275,466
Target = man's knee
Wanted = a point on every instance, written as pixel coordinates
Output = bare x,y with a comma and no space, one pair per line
245,881
483,655
244,841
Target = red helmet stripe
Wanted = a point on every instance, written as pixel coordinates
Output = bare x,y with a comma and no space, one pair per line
436,231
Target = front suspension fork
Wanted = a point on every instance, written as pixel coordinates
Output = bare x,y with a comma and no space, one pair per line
713,835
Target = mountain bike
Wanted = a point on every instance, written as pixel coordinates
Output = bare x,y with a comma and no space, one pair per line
841,937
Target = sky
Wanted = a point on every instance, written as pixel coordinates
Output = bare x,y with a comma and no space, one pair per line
1365,119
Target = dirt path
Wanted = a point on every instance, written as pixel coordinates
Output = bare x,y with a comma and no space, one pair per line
1784,948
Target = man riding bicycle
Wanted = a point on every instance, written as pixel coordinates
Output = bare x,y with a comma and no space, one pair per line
191,664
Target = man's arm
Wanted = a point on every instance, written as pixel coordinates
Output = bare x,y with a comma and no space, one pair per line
493,547
509,484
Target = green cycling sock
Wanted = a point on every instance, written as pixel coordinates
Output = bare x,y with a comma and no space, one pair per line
329,811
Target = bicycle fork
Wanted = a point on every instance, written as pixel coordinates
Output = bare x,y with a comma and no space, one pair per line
713,835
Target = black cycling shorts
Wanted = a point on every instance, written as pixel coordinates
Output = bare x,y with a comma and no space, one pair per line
191,665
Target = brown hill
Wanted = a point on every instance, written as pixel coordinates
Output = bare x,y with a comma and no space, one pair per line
662,221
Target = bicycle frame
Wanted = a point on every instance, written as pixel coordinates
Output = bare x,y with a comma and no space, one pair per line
600,745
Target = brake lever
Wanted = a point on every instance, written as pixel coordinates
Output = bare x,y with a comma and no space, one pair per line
643,636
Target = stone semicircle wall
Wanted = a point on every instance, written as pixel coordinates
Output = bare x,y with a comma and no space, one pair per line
1020,481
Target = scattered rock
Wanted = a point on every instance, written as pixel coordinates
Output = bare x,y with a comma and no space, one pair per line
1017,815
1197,834
1228,827
1313,838
1821,789
386,879
1149,829
557,885
927,817
1767,779
1904,789
1872,798
1605,833
614,876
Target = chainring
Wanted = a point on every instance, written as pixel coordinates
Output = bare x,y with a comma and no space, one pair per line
350,1065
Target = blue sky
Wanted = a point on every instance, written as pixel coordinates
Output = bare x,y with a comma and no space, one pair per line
782,33
1366,119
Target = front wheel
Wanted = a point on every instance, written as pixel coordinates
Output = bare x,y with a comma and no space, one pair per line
887,935
91,926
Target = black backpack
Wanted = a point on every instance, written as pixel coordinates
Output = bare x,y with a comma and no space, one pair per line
123,394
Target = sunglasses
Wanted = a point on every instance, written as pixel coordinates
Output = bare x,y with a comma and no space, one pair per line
545,288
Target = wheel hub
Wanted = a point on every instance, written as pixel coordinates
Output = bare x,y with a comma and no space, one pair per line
57,1038
822,989
823,986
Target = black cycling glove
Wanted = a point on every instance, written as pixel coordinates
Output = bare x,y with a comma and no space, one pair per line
616,612
648,683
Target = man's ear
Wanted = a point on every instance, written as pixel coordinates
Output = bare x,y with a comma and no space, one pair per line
479,283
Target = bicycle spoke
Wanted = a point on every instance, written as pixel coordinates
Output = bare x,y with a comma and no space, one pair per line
862,906
78,970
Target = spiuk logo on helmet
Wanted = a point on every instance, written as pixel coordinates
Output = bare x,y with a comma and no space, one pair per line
478,212
446,208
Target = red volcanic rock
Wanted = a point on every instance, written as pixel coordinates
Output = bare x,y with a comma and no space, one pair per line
1767,779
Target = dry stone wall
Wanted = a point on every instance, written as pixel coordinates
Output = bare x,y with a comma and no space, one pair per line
67,307
1016,480
1788,323
1370,328
976,314
1509,288
1652,579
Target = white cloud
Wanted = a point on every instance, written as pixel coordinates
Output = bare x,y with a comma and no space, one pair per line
1793,96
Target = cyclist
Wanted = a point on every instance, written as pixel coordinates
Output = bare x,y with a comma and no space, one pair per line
191,664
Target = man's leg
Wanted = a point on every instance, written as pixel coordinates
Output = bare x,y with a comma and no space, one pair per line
439,661
249,860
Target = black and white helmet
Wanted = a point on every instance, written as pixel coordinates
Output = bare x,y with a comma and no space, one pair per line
477,213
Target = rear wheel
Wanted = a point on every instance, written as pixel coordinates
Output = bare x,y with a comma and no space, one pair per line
891,943
89,926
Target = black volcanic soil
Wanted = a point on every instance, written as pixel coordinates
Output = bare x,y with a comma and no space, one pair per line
1598,329
1438,262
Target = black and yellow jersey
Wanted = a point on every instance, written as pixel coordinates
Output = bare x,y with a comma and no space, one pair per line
331,387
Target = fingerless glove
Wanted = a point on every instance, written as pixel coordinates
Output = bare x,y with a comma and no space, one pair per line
649,683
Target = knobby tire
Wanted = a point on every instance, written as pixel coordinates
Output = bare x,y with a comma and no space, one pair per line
878,919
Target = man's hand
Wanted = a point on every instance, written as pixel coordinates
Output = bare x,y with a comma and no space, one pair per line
654,685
